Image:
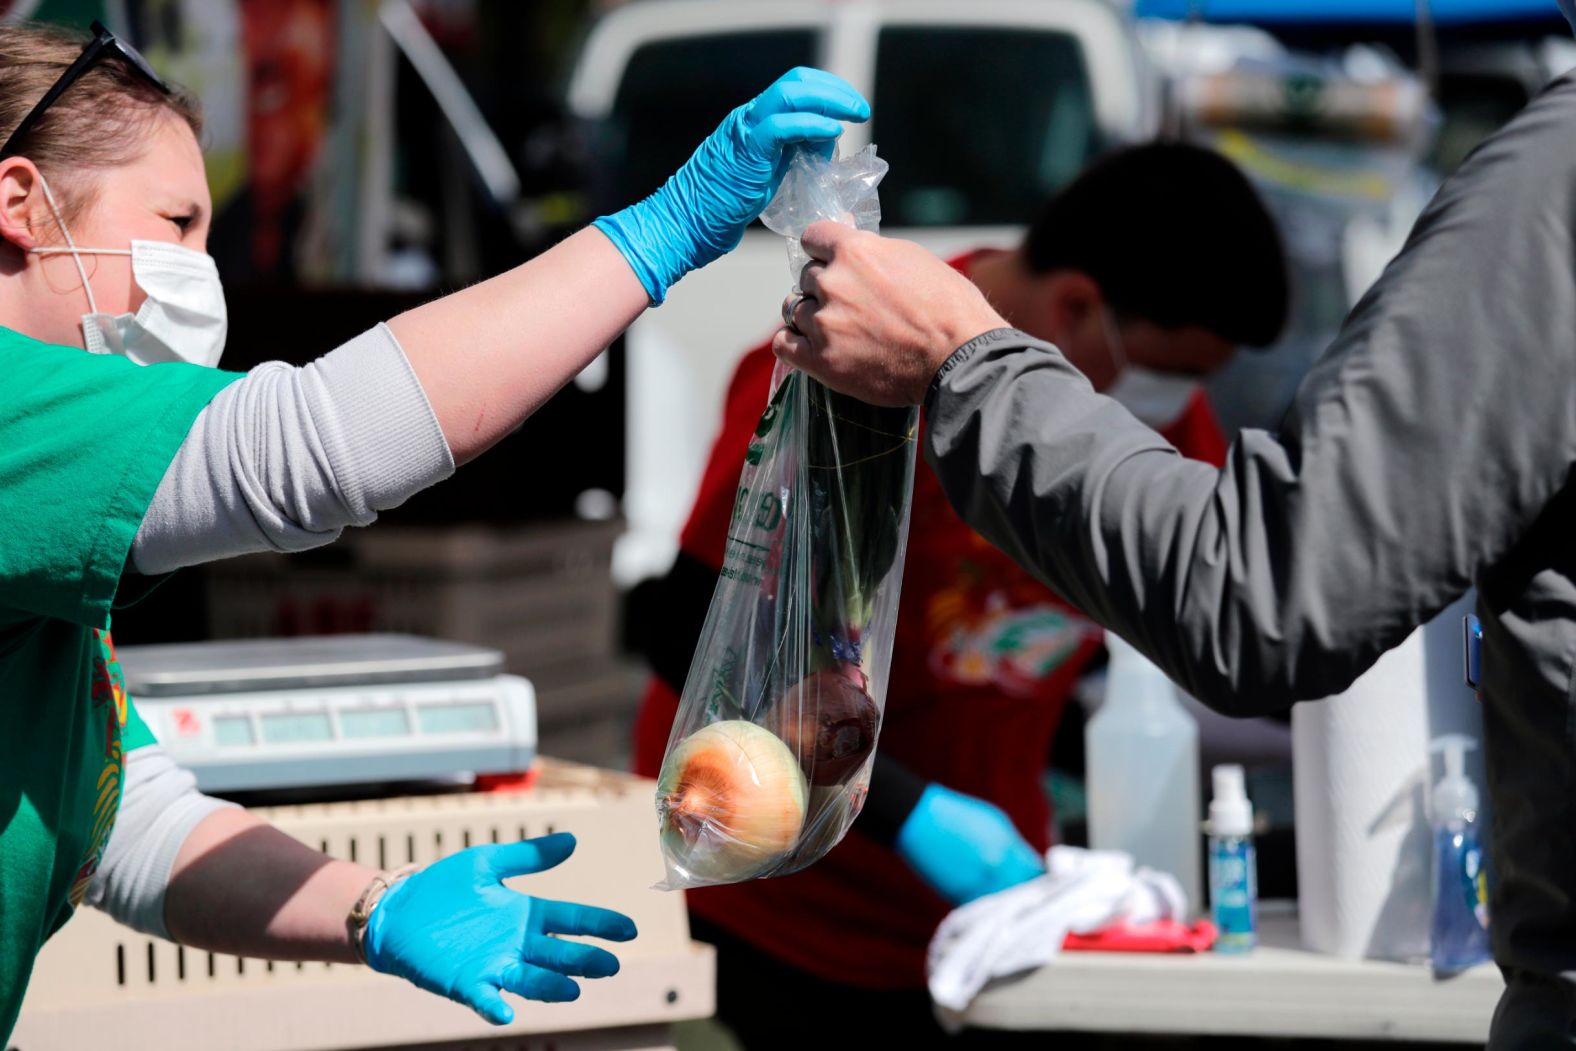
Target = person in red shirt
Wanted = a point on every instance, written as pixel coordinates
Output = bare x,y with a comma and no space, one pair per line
1138,271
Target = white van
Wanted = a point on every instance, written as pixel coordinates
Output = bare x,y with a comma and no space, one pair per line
982,108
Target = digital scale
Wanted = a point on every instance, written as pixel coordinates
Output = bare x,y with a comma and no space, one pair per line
332,710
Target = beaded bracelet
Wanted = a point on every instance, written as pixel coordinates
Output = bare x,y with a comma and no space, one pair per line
361,911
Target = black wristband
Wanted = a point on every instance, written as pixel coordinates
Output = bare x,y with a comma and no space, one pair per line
894,793
663,617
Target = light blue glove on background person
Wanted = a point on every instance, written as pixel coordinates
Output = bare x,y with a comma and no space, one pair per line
964,847
701,212
454,929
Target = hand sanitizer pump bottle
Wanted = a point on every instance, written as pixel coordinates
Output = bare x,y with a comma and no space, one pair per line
1459,936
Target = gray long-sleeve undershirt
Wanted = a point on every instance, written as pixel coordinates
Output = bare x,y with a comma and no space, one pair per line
159,808
1432,448
283,460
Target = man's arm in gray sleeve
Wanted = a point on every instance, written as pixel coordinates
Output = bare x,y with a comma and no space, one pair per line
160,808
1418,451
285,458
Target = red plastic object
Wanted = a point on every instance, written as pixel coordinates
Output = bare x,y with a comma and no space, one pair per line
1160,936
506,784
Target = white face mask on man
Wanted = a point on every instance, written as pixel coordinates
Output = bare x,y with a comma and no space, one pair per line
1156,398
184,316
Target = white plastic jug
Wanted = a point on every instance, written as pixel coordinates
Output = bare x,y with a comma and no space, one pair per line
1142,770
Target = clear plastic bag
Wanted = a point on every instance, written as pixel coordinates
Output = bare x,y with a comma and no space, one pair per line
770,756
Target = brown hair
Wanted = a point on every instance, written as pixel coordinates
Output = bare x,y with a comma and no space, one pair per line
100,122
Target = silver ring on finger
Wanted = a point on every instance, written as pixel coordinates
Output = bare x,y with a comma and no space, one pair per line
790,307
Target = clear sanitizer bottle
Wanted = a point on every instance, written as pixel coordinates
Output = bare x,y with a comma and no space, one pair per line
1142,766
1459,937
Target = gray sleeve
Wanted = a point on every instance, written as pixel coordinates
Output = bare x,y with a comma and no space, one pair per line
160,808
285,458
1418,451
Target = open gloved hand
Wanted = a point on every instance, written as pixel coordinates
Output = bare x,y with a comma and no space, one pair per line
454,929
964,847
701,212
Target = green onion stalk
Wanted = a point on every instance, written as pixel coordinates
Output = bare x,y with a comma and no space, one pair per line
858,464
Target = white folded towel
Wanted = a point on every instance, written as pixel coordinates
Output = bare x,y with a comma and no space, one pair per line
1022,928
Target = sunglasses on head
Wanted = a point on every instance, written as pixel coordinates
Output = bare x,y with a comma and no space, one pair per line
103,44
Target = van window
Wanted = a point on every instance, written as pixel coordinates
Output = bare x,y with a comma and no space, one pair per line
979,124
675,92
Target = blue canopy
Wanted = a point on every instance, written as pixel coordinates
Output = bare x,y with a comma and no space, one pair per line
1349,12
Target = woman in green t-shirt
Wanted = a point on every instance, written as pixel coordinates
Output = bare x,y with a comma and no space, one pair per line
140,457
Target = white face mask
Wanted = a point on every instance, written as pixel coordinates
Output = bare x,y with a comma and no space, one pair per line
184,316
1157,399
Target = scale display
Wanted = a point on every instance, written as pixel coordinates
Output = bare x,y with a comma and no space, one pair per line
324,727
374,722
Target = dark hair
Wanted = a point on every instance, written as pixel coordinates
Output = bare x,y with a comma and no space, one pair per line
109,109
1173,234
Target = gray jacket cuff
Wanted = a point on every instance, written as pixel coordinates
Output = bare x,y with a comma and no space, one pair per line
996,337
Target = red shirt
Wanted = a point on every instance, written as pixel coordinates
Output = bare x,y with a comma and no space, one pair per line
984,659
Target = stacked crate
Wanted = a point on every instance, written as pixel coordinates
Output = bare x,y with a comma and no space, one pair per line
542,594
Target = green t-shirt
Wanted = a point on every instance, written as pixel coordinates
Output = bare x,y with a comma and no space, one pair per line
84,441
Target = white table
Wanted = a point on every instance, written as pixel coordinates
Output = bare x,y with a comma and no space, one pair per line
1278,990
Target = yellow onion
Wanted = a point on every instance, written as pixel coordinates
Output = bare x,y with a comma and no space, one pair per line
732,800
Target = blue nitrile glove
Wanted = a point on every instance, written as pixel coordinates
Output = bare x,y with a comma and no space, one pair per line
701,212
454,929
964,847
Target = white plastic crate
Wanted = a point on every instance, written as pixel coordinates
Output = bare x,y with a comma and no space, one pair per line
542,594
96,978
